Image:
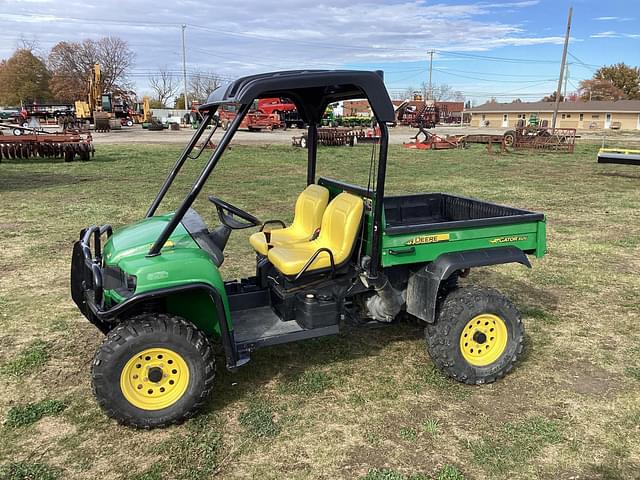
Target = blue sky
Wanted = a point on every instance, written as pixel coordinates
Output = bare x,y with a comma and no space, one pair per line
507,49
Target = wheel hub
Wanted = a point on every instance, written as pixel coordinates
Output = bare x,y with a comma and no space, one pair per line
479,337
155,374
483,339
154,378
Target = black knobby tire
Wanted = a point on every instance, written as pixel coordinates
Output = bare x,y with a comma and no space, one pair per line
457,309
509,138
136,335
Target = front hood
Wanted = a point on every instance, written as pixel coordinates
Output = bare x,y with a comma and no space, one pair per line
137,238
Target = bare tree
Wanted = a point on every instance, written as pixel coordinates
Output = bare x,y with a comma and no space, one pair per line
445,93
165,85
30,44
115,59
202,83
71,64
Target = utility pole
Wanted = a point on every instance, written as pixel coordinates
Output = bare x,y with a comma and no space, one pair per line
562,65
431,52
184,68
566,80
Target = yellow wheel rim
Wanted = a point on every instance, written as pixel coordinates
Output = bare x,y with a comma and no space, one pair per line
154,379
483,339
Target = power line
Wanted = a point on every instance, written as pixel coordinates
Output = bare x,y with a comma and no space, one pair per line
489,79
492,58
515,75
589,67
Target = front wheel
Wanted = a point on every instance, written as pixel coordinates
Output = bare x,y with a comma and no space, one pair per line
477,337
509,138
152,371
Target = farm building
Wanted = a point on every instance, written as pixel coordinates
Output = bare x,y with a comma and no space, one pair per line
356,108
622,114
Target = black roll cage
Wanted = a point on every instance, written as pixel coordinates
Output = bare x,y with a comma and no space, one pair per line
380,101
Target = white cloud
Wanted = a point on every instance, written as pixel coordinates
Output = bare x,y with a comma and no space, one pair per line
235,38
612,19
607,34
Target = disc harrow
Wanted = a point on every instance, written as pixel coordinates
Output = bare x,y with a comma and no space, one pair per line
67,146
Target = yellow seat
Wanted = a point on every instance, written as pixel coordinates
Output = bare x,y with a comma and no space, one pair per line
310,206
340,225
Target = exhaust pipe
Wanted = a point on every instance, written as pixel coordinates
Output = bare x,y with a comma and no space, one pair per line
387,302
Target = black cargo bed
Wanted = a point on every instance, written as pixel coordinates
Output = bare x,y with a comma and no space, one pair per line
440,211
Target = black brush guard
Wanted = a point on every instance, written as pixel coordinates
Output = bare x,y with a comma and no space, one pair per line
87,284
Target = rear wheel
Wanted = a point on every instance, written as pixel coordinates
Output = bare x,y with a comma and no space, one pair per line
477,337
509,138
153,370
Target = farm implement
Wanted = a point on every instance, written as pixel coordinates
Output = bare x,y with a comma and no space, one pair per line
431,141
419,114
338,136
353,255
67,145
541,138
621,156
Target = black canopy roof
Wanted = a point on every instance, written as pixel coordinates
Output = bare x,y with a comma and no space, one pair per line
310,90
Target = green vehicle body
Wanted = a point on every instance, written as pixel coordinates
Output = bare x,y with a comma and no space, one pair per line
184,263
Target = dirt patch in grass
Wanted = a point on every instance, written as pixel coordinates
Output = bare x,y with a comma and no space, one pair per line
587,379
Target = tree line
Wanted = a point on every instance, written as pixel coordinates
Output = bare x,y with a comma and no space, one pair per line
62,75
610,82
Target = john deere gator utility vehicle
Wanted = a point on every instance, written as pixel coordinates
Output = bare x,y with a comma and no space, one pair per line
351,254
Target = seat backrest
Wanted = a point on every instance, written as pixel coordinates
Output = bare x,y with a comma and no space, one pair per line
340,225
310,207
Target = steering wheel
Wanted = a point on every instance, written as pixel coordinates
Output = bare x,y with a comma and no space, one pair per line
228,212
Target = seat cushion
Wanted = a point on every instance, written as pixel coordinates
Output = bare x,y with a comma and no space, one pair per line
340,225
279,237
290,259
310,207
258,242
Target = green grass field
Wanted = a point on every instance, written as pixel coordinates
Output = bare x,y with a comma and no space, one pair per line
366,404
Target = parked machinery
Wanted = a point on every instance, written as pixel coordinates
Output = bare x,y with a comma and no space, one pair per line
32,144
142,111
431,141
532,136
420,114
621,156
284,108
254,121
101,107
339,136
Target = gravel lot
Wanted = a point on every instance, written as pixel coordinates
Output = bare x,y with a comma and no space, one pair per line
399,135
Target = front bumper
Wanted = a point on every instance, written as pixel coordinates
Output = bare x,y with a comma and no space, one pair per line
88,275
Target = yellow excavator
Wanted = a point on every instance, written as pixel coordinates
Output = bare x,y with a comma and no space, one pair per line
142,111
98,107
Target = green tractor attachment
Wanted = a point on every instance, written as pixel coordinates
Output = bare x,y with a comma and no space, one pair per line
351,255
